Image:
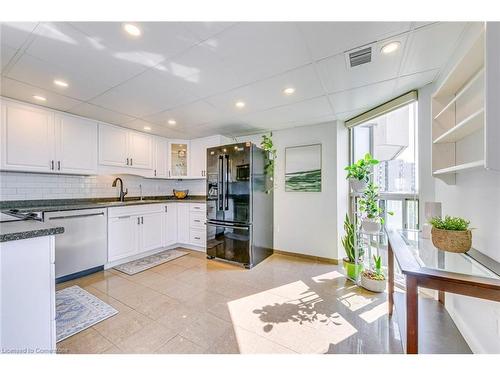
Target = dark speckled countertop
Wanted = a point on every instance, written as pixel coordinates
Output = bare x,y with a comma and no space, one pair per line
20,230
81,204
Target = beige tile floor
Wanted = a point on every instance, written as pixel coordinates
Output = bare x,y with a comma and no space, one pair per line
193,305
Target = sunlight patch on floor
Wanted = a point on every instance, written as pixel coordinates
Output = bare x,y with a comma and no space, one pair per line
355,301
375,313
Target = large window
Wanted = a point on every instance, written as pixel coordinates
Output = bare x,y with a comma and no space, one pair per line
392,139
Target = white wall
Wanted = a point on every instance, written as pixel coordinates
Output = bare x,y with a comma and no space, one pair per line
28,186
475,196
306,223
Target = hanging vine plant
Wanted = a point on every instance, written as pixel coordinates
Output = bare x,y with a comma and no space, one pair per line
268,146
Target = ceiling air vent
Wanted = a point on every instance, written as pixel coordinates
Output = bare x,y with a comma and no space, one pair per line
360,57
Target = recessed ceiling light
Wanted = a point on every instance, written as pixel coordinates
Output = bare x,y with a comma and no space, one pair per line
391,47
172,122
147,128
40,98
289,91
132,29
240,104
61,83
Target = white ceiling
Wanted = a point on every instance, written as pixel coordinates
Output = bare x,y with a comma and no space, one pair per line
194,72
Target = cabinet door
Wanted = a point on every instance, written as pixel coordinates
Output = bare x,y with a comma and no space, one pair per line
28,142
113,146
122,237
197,157
178,159
161,158
170,224
151,231
76,145
140,150
183,223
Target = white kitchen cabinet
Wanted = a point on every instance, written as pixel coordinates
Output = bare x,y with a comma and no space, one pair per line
161,157
183,223
151,231
120,147
178,156
123,241
170,224
198,153
76,145
27,297
140,150
113,146
28,142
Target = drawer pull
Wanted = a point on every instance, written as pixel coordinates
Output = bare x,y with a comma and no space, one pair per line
197,238
197,221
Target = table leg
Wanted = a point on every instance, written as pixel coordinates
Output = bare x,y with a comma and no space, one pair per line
411,315
390,265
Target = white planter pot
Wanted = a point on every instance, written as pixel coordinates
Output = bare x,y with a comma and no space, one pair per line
371,226
376,286
357,186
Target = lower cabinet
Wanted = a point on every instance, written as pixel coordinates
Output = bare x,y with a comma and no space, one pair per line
183,223
122,237
170,224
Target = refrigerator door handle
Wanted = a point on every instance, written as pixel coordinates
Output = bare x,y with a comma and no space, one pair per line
220,184
226,190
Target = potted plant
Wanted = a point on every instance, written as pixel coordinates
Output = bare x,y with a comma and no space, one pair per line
374,279
351,267
372,219
359,173
451,234
267,145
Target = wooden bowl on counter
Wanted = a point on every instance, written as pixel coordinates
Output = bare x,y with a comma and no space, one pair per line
180,194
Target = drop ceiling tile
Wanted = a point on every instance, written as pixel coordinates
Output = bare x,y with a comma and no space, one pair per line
21,91
414,81
430,47
336,75
139,125
199,112
6,54
330,38
15,34
205,30
148,93
61,44
256,50
158,41
100,113
268,93
366,96
40,73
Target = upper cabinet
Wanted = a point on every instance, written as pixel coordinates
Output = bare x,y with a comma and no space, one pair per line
179,154
120,147
198,166
160,157
38,140
465,111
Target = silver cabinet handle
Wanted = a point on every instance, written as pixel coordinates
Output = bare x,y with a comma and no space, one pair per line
75,216
138,220
58,165
168,173
142,219
197,238
166,208
155,172
127,161
124,217
131,162
52,164
196,221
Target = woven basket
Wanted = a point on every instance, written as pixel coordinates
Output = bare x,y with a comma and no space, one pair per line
455,241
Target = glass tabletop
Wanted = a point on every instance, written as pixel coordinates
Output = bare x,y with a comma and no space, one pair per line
429,256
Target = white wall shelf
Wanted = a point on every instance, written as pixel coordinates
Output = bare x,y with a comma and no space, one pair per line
464,128
461,167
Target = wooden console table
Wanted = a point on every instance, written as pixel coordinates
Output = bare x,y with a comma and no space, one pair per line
471,274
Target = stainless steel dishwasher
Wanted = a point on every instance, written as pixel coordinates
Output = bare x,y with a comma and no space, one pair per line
82,248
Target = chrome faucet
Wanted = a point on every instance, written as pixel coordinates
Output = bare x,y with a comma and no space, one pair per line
122,193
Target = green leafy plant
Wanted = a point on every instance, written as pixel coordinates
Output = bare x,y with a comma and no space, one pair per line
349,239
362,169
268,146
369,203
376,273
450,223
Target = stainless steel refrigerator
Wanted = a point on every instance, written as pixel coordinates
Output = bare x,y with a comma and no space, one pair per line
239,209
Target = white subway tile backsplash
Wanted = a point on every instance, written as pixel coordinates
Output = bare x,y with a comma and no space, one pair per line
27,186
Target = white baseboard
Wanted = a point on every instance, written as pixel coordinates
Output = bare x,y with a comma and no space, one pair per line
469,337
151,252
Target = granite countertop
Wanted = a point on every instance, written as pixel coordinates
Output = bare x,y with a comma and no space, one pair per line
20,230
81,204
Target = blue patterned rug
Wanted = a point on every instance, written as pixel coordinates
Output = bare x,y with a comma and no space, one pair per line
142,264
77,309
